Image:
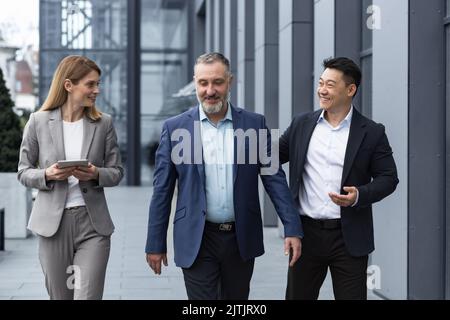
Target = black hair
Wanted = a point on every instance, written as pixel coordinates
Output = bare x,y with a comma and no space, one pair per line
351,71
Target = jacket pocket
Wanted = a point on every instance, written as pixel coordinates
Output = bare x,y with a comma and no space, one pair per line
179,214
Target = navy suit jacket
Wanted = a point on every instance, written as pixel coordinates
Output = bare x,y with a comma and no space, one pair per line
368,165
189,219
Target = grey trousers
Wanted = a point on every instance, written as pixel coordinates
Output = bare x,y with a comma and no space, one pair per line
74,259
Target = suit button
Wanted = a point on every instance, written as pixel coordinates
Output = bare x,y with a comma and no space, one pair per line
84,190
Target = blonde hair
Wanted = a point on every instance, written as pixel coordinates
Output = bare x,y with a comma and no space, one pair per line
73,68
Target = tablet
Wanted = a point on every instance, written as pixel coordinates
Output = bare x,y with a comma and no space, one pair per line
73,163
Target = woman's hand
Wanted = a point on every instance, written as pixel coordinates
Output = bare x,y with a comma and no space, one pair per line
55,173
86,173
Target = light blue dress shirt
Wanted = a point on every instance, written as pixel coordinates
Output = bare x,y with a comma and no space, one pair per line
218,156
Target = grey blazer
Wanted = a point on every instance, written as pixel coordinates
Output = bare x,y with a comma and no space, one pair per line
43,145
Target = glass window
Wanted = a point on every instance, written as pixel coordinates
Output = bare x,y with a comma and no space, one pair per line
164,71
98,30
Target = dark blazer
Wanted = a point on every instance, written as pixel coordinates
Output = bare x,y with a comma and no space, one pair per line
189,219
368,165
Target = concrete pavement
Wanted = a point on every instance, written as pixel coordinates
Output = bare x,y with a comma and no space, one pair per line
128,276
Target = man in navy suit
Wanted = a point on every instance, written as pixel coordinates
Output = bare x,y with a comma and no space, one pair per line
340,163
217,223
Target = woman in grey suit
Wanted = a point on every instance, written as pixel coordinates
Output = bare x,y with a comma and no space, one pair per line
70,214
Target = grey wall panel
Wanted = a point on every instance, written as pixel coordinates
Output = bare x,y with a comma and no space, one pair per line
209,23
426,149
219,24
266,78
285,80
197,33
447,54
230,42
296,58
390,107
302,67
296,51
348,33
246,54
323,39
348,29
134,94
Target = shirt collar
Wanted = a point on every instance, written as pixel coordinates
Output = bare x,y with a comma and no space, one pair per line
203,116
347,120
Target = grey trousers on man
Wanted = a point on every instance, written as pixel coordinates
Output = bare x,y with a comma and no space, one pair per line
74,259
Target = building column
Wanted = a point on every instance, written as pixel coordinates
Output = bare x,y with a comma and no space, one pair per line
296,65
426,142
210,25
348,38
324,39
246,55
266,79
390,107
447,54
218,33
133,161
231,42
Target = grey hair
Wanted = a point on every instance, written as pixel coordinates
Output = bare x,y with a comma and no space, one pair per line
211,57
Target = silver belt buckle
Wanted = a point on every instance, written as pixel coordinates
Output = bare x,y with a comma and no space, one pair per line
225,227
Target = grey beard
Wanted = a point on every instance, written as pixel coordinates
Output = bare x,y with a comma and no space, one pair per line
215,108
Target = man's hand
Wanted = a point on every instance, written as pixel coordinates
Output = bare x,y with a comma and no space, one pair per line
344,200
295,244
56,173
86,173
154,261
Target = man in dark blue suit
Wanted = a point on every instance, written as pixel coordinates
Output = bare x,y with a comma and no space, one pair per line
340,162
217,224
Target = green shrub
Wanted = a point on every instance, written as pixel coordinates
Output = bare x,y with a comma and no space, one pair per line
10,130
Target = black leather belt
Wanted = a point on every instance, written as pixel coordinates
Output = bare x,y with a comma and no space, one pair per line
322,223
226,226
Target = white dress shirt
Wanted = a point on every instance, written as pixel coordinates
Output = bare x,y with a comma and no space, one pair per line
323,168
73,141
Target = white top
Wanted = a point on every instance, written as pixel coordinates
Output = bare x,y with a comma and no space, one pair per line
323,168
73,142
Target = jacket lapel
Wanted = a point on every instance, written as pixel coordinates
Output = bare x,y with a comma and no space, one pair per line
197,146
89,128
355,137
56,131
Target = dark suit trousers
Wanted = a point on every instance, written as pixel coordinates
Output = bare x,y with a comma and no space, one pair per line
218,272
323,247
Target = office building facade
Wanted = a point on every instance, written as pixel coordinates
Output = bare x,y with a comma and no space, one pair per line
147,49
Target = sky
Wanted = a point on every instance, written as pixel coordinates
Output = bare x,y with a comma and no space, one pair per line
19,21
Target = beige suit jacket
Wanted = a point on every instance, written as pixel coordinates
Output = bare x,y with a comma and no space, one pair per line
43,145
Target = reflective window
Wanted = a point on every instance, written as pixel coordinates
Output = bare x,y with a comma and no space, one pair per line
164,26
96,29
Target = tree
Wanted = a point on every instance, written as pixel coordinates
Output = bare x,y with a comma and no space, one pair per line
10,130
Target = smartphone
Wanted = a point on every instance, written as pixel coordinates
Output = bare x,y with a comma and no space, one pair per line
73,163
